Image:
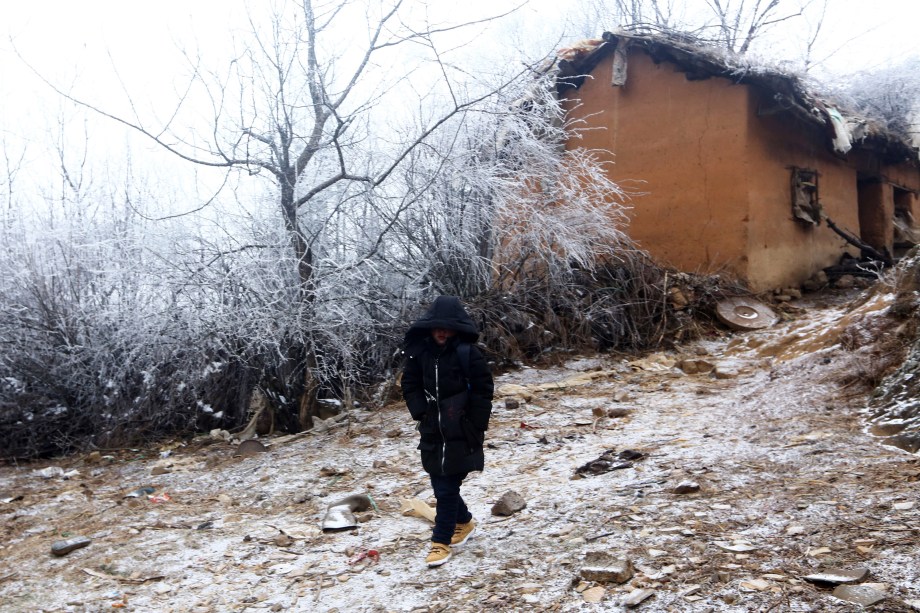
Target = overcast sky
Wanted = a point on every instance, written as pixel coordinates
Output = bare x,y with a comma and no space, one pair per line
100,48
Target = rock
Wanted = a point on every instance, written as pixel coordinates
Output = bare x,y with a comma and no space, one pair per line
511,404
837,576
159,470
678,299
394,433
818,281
62,548
687,487
510,503
695,366
618,412
845,282
250,447
594,594
907,442
635,597
722,371
609,461
605,568
621,396
859,594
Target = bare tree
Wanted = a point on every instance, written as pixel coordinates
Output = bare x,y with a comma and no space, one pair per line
734,25
305,104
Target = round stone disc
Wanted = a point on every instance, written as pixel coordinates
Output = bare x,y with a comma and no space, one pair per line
741,313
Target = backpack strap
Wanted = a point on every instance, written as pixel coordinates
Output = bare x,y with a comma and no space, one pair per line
463,352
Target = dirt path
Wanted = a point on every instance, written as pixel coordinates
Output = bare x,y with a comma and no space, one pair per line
789,482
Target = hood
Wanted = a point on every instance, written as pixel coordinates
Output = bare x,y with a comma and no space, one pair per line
445,312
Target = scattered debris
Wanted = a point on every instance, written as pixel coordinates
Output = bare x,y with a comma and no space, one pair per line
594,595
250,447
837,576
635,597
418,508
695,366
609,461
510,503
140,492
742,313
738,546
603,567
687,487
62,548
341,514
859,594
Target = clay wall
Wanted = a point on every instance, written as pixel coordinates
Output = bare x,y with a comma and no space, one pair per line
678,145
783,250
710,164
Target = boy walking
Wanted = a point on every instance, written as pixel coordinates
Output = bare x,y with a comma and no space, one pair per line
448,388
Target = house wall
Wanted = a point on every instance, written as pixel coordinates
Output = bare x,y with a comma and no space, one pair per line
784,251
710,165
679,146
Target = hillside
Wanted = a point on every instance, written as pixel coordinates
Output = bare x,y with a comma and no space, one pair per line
772,431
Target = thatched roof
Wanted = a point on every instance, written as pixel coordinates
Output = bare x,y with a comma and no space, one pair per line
787,91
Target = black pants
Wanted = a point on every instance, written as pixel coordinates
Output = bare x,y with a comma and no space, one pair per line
451,508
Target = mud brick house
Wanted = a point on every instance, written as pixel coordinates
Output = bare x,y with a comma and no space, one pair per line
736,169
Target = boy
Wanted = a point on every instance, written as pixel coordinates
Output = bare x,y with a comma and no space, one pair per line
448,389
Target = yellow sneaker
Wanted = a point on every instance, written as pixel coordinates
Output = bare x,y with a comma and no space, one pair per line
462,532
439,554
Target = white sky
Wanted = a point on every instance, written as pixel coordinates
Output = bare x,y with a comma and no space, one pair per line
99,48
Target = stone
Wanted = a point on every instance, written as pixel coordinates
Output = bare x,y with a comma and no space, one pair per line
511,404
62,548
603,567
859,594
678,300
616,412
594,594
510,503
249,448
695,366
845,282
635,597
837,576
687,487
722,371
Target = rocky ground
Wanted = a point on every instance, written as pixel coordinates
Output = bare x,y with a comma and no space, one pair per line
715,477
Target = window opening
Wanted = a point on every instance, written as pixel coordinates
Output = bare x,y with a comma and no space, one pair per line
806,207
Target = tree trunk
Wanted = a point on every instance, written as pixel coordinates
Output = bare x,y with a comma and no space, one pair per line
307,405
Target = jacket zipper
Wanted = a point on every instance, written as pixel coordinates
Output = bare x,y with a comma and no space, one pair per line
437,395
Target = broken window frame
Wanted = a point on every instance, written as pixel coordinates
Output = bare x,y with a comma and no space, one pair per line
806,202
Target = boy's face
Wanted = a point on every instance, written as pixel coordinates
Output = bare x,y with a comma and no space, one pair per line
440,335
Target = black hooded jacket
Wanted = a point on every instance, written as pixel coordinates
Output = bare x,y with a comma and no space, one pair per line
453,412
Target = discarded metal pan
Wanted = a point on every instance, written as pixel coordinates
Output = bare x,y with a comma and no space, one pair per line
341,514
740,313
